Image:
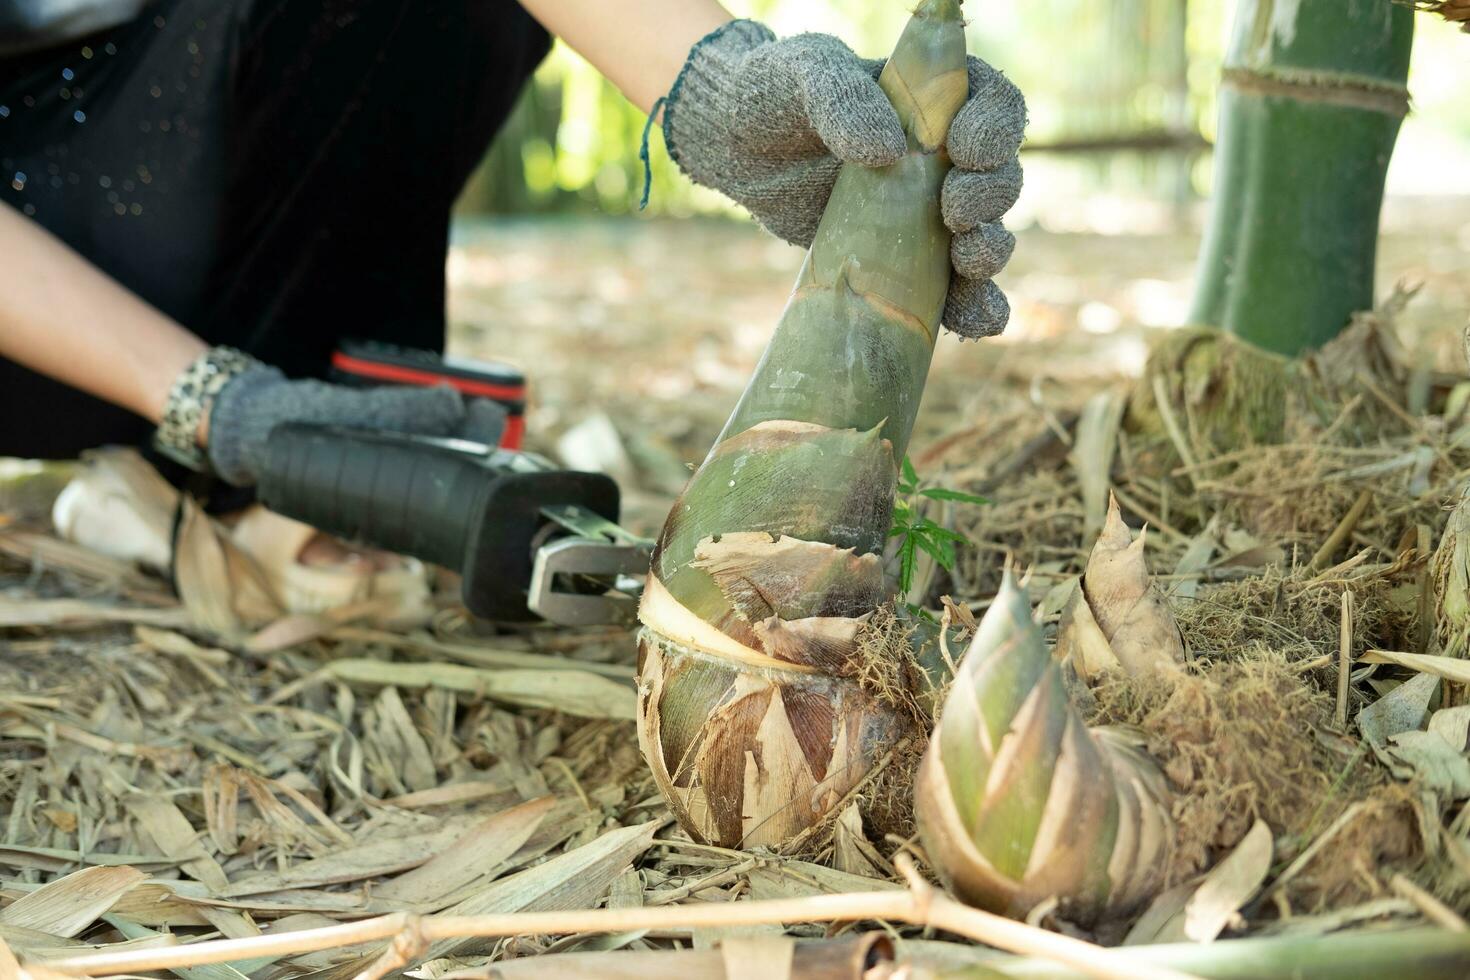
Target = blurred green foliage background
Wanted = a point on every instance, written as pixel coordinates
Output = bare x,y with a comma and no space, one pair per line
1121,96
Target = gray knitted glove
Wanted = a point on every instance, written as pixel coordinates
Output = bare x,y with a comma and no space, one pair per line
769,123
250,406
983,141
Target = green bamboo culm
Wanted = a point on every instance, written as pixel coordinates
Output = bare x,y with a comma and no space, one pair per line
768,565
1364,954
1310,104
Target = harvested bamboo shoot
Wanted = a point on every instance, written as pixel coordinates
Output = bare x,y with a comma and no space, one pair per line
768,566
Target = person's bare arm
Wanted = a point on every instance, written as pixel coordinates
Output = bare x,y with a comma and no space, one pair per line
62,317
640,45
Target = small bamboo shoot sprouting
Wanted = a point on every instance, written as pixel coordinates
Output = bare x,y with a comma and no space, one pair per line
1118,619
1018,801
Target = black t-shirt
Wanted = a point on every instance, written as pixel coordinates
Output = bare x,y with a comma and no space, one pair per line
27,25
276,175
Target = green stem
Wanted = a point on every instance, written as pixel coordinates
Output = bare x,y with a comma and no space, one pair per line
1310,105
1422,953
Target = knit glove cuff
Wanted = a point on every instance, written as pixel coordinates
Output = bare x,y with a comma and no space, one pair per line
694,100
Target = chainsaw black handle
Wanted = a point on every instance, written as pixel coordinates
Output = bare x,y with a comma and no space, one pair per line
460,504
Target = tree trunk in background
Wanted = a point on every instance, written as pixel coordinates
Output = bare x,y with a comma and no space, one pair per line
751,714
1310,105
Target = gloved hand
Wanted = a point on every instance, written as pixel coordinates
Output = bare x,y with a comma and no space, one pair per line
769,123
250,406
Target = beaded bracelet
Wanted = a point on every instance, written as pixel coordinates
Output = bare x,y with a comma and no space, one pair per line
189,400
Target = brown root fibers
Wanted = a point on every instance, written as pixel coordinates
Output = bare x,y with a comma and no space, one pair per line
1249,739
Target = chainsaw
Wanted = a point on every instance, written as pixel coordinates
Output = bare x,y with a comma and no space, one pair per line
529,540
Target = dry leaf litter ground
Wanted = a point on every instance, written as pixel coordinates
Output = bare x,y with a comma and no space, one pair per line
322,772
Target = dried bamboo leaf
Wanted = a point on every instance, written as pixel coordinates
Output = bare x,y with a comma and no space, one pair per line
627,891
483,849
406,749
294,629
69,905
263,794
347,905
1196,559
800,879
167,641
221,795
31,943
1452,725
370,859
852,852
46,727
319,963
761,957
210,971
1229,885
1092,453
156,904
1163,920
1450,575
702,964
202,572
1448,668
450,794
1439,768
172,834
576,879
56,860
575,692
204,660
159,903
51,552
1058,597
1400,710
85,612
10,969
480,654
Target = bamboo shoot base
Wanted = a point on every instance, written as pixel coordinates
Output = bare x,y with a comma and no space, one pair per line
753,755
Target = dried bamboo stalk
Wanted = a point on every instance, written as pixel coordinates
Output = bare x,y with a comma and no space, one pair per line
919,906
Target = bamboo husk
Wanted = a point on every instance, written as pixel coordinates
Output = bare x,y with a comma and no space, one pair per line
1018,801
1118,619
769,563
1450,570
